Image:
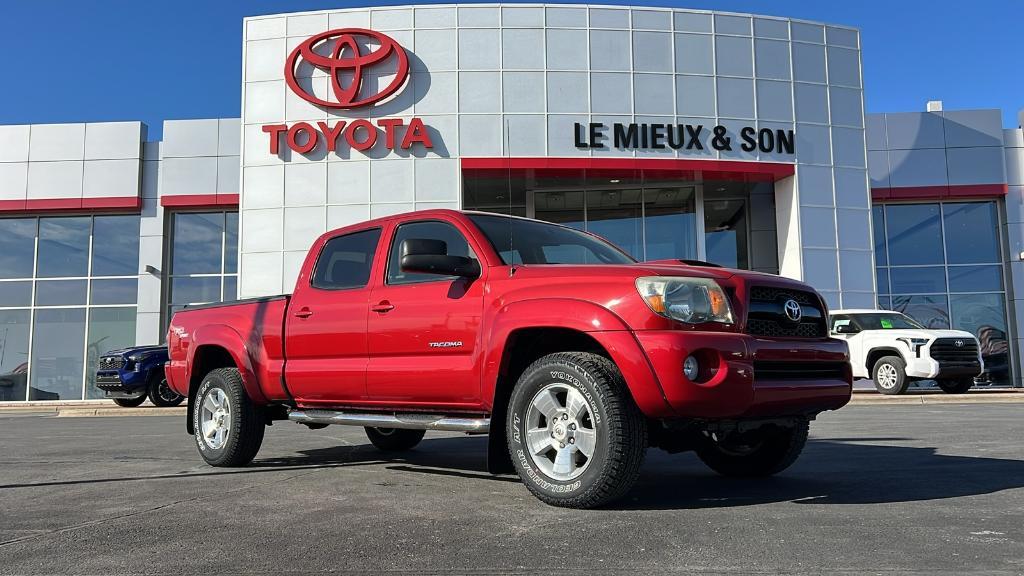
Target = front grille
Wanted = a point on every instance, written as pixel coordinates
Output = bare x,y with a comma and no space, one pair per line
949,355
806,371
766,316
111,363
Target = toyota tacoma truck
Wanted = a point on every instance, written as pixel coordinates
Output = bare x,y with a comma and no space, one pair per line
894,350
573,357
130,375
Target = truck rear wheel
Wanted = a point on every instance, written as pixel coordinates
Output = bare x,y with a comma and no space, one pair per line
228,427
957,386
763,452
394,439
890,375
576,438
161,394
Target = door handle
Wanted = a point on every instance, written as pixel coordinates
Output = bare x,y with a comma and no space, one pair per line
304,312
383,306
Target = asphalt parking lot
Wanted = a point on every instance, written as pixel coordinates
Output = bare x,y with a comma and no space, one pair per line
880,489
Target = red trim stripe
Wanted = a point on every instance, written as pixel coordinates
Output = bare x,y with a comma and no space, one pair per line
199,200
106,204
706,169
952,191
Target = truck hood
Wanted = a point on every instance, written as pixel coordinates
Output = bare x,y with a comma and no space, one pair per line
657,268
134,350
918,333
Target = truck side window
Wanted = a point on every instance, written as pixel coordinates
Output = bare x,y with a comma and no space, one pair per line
345,261
429,230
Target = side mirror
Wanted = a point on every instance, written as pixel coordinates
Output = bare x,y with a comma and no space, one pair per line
846,329
426,256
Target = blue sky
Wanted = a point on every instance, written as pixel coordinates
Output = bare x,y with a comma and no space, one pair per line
73,61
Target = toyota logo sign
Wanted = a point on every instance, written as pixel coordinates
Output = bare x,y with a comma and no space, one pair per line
793,311
346,58
958,343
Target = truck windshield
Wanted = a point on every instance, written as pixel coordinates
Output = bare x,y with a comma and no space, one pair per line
520,241
885,321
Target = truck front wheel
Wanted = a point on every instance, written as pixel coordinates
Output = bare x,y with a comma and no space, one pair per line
575,436
228,427
394,439
130,402
956,386
762,452
161,394
890,375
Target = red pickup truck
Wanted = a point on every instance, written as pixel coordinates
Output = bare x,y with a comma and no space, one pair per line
571,355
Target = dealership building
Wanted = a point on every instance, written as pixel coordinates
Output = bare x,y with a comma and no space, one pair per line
732,138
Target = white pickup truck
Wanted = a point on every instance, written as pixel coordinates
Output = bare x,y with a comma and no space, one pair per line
893,350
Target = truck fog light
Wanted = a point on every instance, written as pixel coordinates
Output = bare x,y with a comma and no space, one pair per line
691,368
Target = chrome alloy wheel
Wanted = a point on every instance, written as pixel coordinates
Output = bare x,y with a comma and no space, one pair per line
560,431
887,376
215,418
165,392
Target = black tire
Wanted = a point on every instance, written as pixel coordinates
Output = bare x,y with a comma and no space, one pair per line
757,453
618,431
129,402
885,364
160,394
394,439
245,433
956,386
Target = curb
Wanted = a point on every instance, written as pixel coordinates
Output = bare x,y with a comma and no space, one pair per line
76,412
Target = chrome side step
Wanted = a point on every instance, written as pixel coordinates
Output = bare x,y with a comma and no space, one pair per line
382,420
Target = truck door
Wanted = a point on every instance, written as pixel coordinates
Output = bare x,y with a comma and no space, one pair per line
326,345
845,327
424,328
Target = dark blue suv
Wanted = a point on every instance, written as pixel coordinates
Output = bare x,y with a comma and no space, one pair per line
129,375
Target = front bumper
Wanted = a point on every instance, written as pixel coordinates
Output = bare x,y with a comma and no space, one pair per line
117,385
927,368
751,377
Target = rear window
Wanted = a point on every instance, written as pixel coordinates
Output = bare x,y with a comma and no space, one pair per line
345,261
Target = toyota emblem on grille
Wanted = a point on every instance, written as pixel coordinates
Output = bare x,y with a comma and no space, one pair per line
958,343
793,310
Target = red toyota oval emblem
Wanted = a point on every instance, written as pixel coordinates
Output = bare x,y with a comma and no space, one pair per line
347,57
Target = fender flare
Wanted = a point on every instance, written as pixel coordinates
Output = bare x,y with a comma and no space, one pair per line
230,340
889,351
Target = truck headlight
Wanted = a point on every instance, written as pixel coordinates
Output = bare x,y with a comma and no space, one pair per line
690,300
914,343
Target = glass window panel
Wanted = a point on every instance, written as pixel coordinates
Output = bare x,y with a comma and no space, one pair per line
615,215
346,261
918,280
109,329
878,223
63,247
670,224
17,247
16,293
882,279
197,241
358,275
195,290
725,232
984,315
231,243
560,207
884,303
60,292
231,287
114,291
929,311
914,234
57,354
976,278
972,232
14,326
115,246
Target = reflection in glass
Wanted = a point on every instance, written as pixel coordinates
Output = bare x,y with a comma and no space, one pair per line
114,291
194,236
60,292
16,293
882,280
914,234
929,311
109,329
670,224
878,225
918,280
14,326
195,290
64,247
231,243
985,316
560,207
725,232
57,362
976,278
615,215
17,247
115,245
972,232
230,287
